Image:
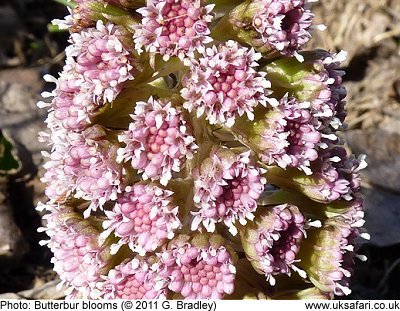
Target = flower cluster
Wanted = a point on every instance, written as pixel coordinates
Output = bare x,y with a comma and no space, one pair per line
78,258
273,240
133,279
226,188
283,25
223,84
97,65
144,217
287,135
157,141
173,27
198,267
195,154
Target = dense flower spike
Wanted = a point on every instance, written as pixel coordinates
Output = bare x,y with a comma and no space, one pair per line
227,186
158,140
144,217
198,268
224,84
176,124
134,279
174,27
272,241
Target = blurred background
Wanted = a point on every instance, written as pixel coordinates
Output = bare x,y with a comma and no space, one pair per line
369,30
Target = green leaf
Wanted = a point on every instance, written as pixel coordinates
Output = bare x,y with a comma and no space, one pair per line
9,161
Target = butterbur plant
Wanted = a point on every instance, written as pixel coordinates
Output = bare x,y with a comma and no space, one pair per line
195,154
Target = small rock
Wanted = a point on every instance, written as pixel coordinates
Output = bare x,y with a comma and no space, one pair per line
12,244
29,77
20,118
382,216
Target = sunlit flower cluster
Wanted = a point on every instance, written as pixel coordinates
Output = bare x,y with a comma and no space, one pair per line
194,154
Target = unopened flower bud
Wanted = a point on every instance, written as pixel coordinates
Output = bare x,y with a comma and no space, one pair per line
272,27
328,255
316,80
272,241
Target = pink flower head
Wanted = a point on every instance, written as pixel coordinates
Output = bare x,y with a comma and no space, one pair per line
71,105
224,84
97,65
82,15
272,241
287,135
326,80
78,258
331,256
144,218
335,176
174,27
301,136
134,279
283,25
71,111
200,268
227,186
83,164
158,140
103,60
316,80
